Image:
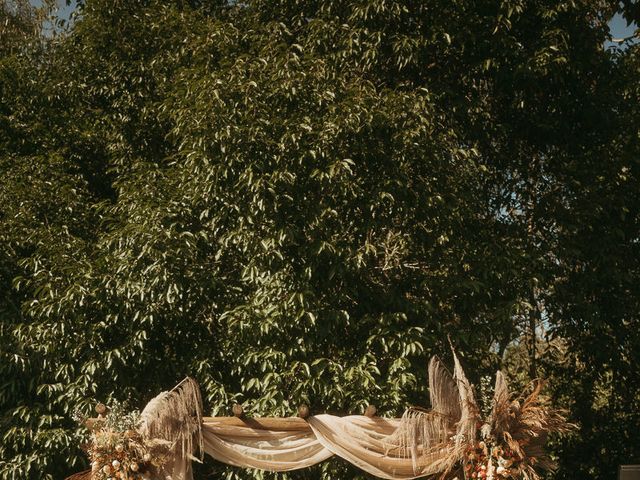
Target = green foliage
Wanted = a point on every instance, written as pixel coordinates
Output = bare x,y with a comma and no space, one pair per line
297,201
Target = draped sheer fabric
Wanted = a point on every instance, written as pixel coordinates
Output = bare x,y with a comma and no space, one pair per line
358,439
423,443
417,445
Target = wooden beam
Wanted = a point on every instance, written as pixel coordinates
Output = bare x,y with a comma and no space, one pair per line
293,424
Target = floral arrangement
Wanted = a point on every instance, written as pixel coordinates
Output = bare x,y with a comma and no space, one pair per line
118,451
487,461
157,443
498,436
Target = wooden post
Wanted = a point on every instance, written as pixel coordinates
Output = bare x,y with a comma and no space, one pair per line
101,410
303,411
238,411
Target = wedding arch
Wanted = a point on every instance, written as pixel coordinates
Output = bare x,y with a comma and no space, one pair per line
451,440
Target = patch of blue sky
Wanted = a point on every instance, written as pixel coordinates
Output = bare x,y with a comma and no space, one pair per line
622,34
63,15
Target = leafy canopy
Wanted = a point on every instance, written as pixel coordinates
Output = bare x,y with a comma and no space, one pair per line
297,201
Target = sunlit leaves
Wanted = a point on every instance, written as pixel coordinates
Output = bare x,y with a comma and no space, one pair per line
295,202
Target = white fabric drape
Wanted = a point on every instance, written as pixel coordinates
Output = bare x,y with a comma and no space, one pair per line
278,451
358,439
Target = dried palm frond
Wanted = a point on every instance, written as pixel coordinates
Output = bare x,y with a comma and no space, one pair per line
500,418
467,423
525,426
422,434
86,475
443,390
469,412
176,416
426,434
448,435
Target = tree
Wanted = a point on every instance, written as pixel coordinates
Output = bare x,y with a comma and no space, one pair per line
298,202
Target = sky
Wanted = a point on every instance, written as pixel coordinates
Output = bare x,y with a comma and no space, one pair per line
65,10
619,29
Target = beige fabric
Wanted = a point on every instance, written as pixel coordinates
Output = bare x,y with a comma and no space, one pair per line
423,443
357,439
278,451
